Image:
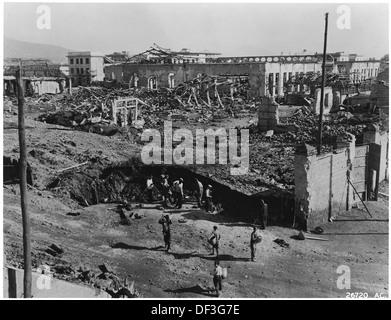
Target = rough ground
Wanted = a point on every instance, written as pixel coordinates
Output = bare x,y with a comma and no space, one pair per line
307,269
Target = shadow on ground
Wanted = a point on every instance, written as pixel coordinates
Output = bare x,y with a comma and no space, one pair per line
122,245
195,289
224,257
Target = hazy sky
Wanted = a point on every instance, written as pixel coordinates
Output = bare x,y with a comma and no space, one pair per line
229,28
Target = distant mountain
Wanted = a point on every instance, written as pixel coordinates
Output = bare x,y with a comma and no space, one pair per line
29,50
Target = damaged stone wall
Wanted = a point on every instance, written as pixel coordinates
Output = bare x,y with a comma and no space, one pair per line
329,99
321,185
380,94
373,135
186,72
268,117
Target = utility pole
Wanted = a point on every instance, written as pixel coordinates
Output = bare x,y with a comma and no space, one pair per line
322,86
23,187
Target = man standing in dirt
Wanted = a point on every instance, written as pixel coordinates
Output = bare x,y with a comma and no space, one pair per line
217,278
165,221
263,214
179,194
174,189
214,240
150,187
164,187
209,202
199,192
255,238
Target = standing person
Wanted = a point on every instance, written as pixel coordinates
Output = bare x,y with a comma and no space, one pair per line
165,187
214,240
179,194
209,202
217,278
174,190
199,192
263,214
150,187
255,238
165,221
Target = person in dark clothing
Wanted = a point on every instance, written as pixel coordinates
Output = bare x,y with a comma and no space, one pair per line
180,194
263,214
165,221
217,278
255,238
150,187
165,188
199,190
209,201
214,240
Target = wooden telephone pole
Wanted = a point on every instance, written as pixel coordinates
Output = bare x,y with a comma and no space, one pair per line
27,281
322,86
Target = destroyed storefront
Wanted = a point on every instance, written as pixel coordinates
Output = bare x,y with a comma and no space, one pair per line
35,86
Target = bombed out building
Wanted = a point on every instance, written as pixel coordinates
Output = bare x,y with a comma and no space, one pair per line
276,77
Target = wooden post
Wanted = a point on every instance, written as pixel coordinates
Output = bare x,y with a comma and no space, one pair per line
322,86
70,86
23,187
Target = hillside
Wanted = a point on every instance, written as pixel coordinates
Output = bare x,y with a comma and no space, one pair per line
28,50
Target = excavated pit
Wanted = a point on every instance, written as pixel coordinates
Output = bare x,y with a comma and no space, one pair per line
126,182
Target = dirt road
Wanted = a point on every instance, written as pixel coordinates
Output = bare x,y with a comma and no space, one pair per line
305,269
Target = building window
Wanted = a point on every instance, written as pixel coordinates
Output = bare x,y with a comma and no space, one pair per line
77,61
72,70
277,83
171,80
81,60
71,61
152,83
81,70
87,60
326,100
88,70
77,70
271,77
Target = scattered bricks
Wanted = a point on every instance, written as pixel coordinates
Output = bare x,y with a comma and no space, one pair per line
73,213
106,268
56,249
64,269
86,276
51,252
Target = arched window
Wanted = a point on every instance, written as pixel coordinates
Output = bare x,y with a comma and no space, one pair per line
171,80
152,83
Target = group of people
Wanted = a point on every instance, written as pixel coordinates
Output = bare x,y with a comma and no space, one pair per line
175,193
214,240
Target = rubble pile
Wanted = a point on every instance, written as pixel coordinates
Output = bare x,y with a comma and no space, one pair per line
306,124
272,155
198,100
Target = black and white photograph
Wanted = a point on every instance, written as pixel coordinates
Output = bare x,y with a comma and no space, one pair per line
195,151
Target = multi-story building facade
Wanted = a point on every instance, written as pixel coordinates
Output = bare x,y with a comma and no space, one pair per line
267,75
357,67
86,67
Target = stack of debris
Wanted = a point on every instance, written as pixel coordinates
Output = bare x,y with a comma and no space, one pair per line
200,100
